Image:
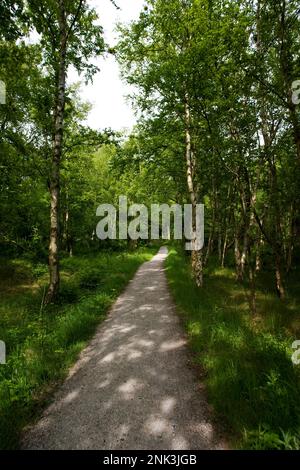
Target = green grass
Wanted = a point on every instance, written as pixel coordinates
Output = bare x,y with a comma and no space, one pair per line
43,344
246,362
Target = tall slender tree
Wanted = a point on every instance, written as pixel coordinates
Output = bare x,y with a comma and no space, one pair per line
69,36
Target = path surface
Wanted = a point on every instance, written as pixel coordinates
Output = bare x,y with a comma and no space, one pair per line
133,387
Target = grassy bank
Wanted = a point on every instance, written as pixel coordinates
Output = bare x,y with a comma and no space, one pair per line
246,361
43,343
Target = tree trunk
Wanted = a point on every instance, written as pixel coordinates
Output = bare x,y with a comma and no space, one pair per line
244,250
56,158
197,255
211,238
247,200
258,254
237,256
290,243
220,246
224,249
197,267
67,236
209,244
252,296
279,281
274,239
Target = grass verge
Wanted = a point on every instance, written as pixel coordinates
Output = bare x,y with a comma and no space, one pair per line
251,381
42,344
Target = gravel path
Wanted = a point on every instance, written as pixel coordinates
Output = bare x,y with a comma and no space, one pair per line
132,387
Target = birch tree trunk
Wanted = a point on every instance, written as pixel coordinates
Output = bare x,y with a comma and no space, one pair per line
212,229
197,255
56,159
276,239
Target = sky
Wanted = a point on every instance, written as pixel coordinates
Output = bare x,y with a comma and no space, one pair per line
108,93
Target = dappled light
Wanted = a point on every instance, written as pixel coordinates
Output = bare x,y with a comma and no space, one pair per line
102,345
249,373
132,387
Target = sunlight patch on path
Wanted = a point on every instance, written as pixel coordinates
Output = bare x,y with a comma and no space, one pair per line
133,386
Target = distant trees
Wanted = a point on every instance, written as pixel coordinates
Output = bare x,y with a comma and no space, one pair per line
219,126
214,84
40,123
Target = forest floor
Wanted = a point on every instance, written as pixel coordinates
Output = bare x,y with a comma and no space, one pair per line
43,343
134,386
245,360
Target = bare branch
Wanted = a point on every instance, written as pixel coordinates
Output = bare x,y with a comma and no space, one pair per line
115,5
75,18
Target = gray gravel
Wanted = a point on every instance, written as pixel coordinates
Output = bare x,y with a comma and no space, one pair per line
133,387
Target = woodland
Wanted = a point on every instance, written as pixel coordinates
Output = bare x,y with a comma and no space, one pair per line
217,96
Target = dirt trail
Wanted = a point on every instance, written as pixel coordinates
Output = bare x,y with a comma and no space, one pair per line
133,387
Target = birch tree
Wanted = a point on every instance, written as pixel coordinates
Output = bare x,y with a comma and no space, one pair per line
69,36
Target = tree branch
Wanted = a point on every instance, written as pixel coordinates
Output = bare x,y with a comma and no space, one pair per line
75,18
115,5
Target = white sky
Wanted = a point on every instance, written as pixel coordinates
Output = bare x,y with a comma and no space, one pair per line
108,93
